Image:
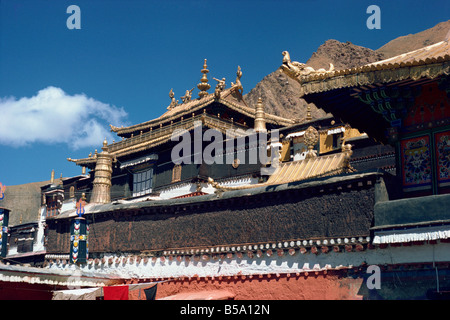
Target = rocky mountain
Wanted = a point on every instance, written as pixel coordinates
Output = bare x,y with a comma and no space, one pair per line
415,41
342,55
281,93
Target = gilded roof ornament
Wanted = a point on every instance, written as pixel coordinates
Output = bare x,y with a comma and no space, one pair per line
296,69
173,102
219,87
238,84
204,86
187,96
311,137
2,191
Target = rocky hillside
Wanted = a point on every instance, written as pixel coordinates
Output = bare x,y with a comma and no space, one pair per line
281,93
415,41
342,55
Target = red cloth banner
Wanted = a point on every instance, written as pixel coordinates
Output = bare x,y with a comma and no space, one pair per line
115,293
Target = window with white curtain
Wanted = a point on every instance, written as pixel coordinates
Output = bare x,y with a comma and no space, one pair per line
142,182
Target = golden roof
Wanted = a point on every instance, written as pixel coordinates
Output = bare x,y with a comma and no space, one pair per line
230,97
164,134
309,168
155,132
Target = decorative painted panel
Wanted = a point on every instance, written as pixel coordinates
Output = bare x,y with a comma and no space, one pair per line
432,104
79,245
442,142
416,163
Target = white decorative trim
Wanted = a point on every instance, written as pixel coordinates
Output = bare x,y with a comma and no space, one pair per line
336,130
295,134
256,262
410,235
137,161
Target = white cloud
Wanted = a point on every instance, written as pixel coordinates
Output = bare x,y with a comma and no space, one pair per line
52,116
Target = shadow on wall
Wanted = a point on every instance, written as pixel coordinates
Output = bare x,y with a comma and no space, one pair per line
427,283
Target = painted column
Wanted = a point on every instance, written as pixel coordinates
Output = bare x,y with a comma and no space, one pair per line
79,232
79,247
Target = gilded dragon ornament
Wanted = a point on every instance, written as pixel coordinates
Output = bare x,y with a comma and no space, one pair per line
296,69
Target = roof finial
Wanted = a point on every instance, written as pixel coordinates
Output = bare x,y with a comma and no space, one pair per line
105,145
260,122
204,86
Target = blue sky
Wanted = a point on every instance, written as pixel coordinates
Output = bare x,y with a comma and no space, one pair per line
60,88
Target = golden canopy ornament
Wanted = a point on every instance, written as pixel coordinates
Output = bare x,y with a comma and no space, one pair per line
311,137
204,86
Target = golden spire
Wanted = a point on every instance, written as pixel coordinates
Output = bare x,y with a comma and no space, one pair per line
260,122
204,86
52,178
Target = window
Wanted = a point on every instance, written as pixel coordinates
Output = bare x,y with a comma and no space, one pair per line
142,182
337,139
52,206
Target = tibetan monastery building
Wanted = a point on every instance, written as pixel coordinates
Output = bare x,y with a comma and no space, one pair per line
350,206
